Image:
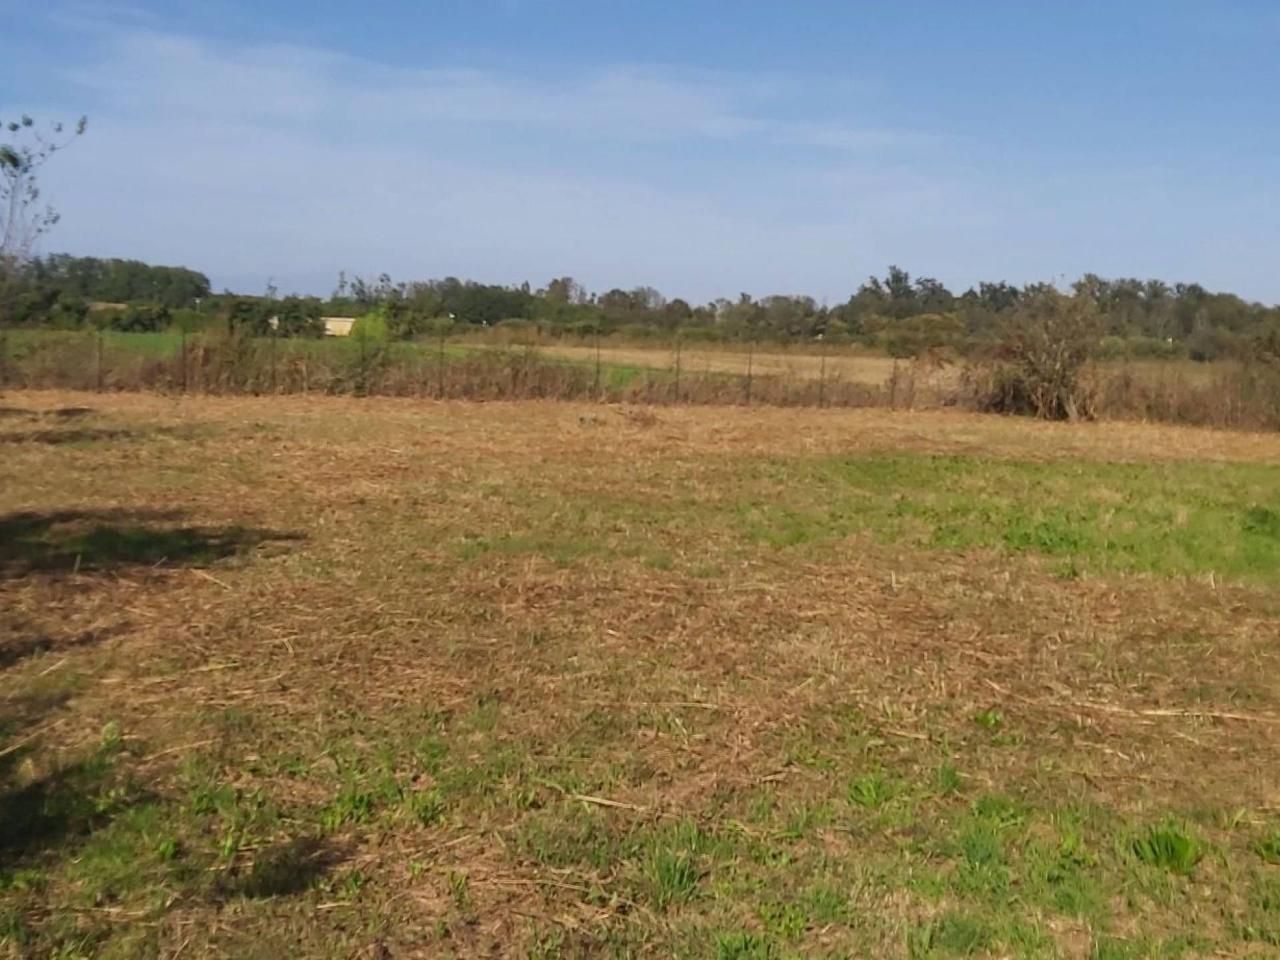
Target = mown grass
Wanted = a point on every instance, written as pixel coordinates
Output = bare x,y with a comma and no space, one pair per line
1180,519
517,685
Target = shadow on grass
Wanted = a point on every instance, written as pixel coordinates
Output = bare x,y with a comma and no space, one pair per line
41,816
18,644
59,426
61,413
78,435
286,869
102,541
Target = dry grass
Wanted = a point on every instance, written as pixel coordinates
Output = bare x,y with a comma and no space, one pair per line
495,367
403,678
699,358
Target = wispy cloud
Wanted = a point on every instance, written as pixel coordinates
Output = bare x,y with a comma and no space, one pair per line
212,147
301,85
294,162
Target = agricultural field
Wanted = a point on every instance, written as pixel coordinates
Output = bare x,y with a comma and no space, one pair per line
385,678
620,361
772,360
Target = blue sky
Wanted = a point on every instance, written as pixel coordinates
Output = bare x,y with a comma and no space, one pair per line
701,148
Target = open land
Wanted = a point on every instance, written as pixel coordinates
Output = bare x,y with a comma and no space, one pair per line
872,370
399,678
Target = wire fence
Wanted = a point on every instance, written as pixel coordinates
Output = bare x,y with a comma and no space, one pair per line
657,372
663,372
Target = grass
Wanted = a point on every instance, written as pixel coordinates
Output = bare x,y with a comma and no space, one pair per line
1268,846
341,676
674,876
1132,517
1169,847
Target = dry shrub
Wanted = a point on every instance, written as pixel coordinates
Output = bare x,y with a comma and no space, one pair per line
1238,396
639,416
1043,367
1040,366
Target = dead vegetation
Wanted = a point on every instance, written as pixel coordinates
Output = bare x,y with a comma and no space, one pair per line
500,680
1044,367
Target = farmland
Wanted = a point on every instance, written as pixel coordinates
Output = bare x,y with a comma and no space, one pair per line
515,364
392,677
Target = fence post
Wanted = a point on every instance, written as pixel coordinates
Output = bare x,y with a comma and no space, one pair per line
274,336
677,384
362,384
99,377
440,367
4,358
597,384
822,377
182,359
751,347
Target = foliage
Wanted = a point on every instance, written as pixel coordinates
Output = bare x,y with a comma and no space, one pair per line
135,318
119,281
24,220
898,314
1041,359
299,317
372,327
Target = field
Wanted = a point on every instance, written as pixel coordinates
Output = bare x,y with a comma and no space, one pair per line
117,360
386,678
770,361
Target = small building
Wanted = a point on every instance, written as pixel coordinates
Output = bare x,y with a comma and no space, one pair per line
338,326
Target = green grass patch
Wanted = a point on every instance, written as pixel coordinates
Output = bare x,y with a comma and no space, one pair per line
1168,846
1268,846
871,790
1170,518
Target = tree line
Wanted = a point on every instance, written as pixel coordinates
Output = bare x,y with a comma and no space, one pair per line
899,313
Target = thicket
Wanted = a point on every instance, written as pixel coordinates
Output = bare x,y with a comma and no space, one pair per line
903,316
1033,350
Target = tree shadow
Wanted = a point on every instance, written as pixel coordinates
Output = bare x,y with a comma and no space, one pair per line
24,713
79,435
27,640
69,803
103,541
61,413
285,869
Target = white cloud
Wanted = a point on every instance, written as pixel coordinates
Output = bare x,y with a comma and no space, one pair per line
299,85
291,162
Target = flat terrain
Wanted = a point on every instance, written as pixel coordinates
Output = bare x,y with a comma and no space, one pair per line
696,359
384,678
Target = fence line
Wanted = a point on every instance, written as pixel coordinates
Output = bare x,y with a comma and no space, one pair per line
664,372
673,371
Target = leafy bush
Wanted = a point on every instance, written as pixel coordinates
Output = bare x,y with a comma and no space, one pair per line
135,319
371,328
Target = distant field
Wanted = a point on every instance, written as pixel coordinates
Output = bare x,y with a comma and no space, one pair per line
807,361
621,365
319,677
855,368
